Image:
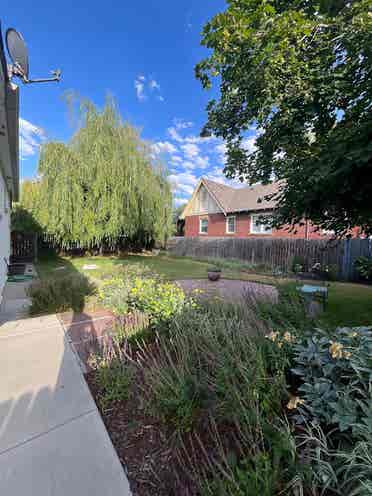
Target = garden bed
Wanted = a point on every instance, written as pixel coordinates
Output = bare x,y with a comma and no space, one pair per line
143,444
219,400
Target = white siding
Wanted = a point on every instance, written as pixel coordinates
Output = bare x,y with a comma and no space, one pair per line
203,204
4,232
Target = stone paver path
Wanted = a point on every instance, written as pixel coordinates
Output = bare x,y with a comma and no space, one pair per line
88,332
229,290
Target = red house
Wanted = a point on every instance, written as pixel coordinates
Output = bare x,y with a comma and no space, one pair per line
217,210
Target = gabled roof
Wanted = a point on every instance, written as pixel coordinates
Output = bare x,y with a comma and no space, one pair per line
249,198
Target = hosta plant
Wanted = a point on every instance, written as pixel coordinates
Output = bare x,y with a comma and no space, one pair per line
336,376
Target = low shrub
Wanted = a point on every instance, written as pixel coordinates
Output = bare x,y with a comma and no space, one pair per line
114,294
212,370
274,469
298,264
60,294
336,376
113,375
138,288
288,313
364,266
159,300
335,468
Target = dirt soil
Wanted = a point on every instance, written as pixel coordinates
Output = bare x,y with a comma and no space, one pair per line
143,444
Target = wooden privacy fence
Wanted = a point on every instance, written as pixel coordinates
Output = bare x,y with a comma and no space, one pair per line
23,247
279,253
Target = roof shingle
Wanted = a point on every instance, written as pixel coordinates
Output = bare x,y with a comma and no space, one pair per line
242,199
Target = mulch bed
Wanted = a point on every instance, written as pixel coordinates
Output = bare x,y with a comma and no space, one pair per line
144,445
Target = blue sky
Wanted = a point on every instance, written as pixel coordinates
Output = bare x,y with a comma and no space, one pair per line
143,54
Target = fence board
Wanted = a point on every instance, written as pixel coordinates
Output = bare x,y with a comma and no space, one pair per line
279,253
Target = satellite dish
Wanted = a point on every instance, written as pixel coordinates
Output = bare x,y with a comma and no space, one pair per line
18,52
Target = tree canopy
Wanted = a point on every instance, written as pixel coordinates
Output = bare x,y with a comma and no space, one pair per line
300,73
102,188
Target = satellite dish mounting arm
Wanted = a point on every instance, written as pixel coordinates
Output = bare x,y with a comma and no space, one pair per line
15,70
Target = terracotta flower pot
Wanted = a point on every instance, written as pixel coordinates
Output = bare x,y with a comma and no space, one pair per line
214,275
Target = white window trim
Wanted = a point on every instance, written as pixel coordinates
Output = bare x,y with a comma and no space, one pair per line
200,223
261,233
227,224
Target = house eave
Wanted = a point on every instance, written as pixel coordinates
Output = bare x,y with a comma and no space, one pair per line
201,183
9,128
250,211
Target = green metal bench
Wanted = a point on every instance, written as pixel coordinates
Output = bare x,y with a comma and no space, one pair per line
311,292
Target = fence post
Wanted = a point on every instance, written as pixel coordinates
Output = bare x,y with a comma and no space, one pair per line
346,259
35,247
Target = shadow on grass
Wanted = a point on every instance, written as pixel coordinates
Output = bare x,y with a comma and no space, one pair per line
61,287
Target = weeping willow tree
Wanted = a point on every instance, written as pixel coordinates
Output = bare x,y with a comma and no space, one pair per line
102,189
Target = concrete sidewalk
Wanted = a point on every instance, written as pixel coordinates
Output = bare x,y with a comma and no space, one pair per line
52,439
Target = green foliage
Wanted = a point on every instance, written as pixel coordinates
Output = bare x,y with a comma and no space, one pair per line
114,377
159,300
114,294
264,473
137,287
22,220
289,313
60,294
201,365
300,73
336,376
298,264
335,468
102,189
364,267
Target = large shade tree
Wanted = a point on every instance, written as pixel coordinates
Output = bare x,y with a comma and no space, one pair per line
102,189
300,73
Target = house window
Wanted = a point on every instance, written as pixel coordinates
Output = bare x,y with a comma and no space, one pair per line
203,227
257,227
230,224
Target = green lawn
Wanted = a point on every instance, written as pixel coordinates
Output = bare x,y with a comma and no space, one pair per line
349,304
170,267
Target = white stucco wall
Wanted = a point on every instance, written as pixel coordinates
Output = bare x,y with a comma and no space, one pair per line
4,232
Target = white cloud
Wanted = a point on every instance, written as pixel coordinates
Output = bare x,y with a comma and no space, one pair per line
30,138
190,150
174,134
182,124
202,162
188,165
183,182
139,85
154,85
179,201
163,147
144,86
176,159
249,144
221,150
